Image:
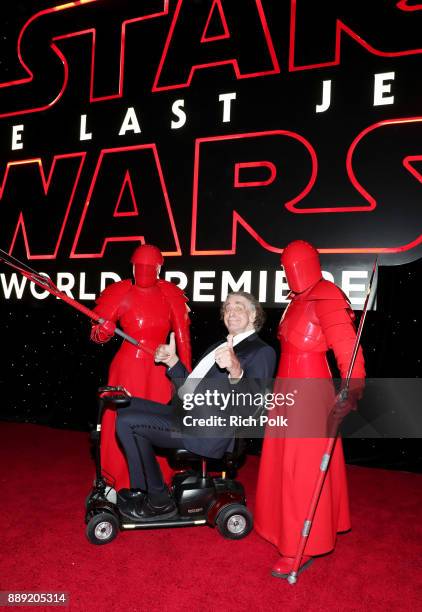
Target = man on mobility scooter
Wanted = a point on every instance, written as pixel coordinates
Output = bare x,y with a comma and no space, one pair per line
243,364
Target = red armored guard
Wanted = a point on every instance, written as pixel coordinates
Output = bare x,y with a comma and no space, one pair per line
318,318
146,310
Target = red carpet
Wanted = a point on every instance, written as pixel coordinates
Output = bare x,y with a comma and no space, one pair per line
46,474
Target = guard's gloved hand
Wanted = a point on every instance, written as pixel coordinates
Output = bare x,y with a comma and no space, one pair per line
345,402
348,397
102,332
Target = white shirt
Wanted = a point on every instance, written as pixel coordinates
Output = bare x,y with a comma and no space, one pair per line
206,363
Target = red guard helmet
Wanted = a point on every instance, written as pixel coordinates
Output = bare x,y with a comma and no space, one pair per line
146,260
301,265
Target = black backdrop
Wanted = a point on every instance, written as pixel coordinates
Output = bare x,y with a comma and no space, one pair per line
347,179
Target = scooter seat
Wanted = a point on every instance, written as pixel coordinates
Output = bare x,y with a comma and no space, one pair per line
182,454
117,396
120,401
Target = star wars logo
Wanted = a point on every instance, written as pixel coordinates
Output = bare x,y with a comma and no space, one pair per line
272,183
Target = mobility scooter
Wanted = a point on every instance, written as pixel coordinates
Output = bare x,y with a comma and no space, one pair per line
200,498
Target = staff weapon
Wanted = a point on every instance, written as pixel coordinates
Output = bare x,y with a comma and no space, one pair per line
46,283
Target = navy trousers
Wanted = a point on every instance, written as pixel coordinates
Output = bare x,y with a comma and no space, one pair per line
140,427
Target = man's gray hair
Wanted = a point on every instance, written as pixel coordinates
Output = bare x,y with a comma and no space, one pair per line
254,304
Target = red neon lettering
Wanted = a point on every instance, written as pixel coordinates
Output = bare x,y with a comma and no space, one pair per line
261,164
101,41
257,58
404,6
139,166
126,186
318,22
46,205
296,149
206,37
408,164
37,84
265,219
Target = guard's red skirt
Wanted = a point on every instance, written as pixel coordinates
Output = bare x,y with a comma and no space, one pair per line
289,470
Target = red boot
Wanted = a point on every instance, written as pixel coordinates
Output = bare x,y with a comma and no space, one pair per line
284,566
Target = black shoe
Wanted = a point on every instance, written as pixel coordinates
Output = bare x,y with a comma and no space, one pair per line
150,512
127,494
128,500
141,509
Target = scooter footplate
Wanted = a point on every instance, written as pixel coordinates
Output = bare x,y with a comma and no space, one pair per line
172,522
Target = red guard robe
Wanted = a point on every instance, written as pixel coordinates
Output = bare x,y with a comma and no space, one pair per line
317,320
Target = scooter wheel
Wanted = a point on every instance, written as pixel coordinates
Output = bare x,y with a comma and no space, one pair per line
234,522
102,528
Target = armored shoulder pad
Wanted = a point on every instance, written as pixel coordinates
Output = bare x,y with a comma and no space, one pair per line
114,292
171,291
326,290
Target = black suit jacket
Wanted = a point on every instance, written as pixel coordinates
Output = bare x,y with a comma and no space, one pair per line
258,361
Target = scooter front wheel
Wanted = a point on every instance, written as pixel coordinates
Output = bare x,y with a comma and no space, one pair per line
234,522
102,528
